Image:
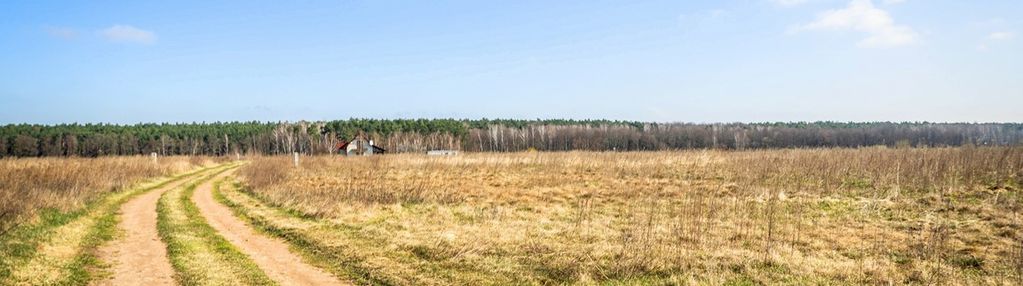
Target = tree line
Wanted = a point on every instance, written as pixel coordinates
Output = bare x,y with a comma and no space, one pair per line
482,135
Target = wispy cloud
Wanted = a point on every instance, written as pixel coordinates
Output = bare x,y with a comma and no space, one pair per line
993,22
64,33
128,34
1001,36
800,2
789,2
993,39
702,19
863,16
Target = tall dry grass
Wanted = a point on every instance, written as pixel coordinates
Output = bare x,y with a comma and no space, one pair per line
870,216
322,181
30,185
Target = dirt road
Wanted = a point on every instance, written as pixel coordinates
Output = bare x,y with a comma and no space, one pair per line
271,255
139,257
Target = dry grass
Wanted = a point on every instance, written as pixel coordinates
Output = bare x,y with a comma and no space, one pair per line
59,210
58,257
836,216
29,185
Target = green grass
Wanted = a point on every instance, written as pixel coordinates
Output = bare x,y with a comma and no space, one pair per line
198,254
19,248
20,244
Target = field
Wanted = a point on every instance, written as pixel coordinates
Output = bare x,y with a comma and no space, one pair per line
795,216
831,216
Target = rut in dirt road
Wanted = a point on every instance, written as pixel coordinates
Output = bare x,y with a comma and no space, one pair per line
270,254
139,257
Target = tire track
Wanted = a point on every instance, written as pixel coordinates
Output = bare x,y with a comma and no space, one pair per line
140,257
271,255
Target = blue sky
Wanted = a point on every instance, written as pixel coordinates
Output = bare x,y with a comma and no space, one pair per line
692,61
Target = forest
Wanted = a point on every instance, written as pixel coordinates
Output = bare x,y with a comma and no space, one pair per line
483,135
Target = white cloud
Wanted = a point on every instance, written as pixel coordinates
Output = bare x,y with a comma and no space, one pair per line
863,16
128,34
893,2
1001,36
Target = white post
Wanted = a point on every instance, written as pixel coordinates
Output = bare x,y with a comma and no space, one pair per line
296,159
237,156
153,155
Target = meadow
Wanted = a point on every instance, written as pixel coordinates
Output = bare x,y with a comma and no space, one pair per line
863,216
791,216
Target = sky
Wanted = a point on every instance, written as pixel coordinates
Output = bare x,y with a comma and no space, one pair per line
665,61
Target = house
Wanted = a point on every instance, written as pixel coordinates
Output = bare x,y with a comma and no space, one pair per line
442,152
359,145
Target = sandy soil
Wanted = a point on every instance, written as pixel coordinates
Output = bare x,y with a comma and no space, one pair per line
140,257
271,255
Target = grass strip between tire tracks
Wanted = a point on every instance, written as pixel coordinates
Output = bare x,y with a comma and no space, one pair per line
198,254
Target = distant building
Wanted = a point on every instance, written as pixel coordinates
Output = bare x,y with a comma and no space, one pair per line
359,145
442,152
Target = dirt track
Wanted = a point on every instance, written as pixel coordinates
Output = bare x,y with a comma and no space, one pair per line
271,255
139,257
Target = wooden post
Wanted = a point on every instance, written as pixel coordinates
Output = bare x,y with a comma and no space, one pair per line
296,159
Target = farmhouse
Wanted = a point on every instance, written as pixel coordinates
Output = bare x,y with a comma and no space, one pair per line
359,145
442,152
